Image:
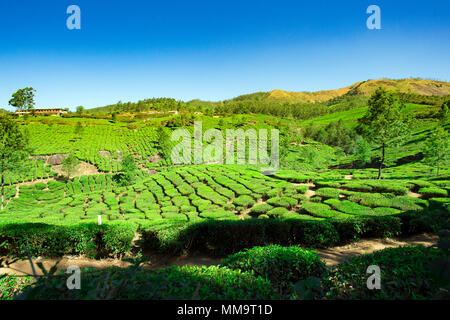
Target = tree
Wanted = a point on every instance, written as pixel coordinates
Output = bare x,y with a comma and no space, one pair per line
165,148
80,110
129,169
443,114
13,151
69,165
384,122
437,149
23,99
362,151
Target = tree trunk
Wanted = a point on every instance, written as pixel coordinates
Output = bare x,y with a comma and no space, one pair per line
383,146
437,170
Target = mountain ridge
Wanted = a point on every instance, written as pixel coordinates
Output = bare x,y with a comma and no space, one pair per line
409,85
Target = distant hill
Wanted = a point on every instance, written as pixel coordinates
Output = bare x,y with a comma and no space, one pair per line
411,86
418,91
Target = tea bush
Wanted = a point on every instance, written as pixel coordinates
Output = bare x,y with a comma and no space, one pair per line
282,266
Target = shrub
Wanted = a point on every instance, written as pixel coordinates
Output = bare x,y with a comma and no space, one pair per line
109,239
188,282
11,285
320,210
286,202
244,201
277,212
355,186
433,192
282,266
406,274
328,193
260,209
349,207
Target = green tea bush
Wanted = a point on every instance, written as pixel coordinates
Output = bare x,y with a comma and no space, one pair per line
108,239
349,207
244,201
432,192
188,282
406,273
259,209
319,210
277,212
282,266
286,202
327,193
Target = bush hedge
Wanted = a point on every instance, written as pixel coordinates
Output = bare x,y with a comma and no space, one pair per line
406,273
280,265
172,283
109,239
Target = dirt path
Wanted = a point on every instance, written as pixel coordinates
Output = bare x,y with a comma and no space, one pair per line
331,256
157,261
414,195
310,193
336,255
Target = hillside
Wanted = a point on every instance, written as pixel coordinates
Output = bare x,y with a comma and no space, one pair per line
414,86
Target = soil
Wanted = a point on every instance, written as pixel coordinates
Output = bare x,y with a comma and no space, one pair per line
336,255
414,195
82,169
105,153
310,193
331,256
54,159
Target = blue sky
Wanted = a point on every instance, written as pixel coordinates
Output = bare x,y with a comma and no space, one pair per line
213,49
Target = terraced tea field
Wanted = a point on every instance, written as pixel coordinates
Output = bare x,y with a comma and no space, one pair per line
185,196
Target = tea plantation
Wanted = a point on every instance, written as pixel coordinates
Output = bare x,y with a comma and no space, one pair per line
323,195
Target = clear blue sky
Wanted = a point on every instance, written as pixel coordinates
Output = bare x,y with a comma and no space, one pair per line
213,49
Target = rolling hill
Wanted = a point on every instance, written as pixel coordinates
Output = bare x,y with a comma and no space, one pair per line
414,86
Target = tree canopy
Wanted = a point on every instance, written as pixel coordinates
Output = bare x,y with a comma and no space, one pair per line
385,122
13,150
23,99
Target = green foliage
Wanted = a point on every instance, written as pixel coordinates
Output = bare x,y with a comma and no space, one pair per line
11,285
69,164
277,212
23,98
334,134
384,122
171,283
244,201
405,274
129,171
286,202
328,193
52,240
282,266
437,149
433,192
13,151
259,209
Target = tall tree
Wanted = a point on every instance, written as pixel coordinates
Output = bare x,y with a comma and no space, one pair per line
13,151
384,123
129,171
23,99
80,110
437,149
444,114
